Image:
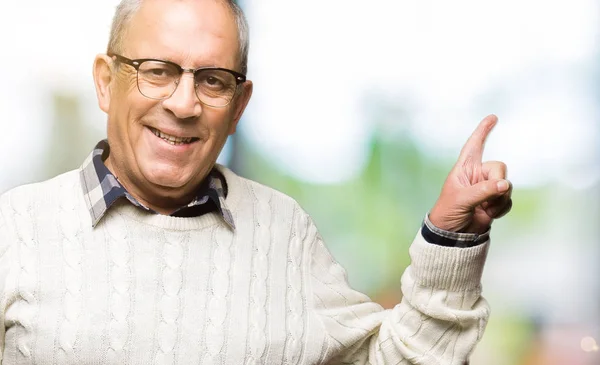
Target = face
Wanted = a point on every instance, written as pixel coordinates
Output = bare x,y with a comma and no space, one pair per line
192,34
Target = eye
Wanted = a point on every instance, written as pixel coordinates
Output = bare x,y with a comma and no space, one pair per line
213,81
157,72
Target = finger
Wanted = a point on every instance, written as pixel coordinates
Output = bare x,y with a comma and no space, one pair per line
499,210
484,191
494,170
473,148
499,206
500,201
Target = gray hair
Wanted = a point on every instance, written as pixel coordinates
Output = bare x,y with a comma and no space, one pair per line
128,8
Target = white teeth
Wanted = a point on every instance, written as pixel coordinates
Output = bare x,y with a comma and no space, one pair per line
175,141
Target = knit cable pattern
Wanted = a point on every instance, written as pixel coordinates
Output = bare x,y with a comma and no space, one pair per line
170,306
144,288
257,331
295,298
218,295
27,279
120,277
70,227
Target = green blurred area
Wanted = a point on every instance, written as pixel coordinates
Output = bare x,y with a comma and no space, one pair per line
368,222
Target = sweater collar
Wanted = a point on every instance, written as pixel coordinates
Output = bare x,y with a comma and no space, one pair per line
101,189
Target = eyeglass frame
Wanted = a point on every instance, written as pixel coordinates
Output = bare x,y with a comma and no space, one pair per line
136,63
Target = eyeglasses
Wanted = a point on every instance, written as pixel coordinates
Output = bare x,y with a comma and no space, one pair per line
158,79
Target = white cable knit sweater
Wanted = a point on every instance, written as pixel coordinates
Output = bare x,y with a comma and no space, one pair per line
152,289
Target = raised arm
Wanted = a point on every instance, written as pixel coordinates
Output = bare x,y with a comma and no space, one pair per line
439,320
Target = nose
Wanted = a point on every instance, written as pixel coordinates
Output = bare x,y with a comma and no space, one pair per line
184,103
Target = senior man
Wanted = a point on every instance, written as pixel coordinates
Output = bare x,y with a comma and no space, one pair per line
151,253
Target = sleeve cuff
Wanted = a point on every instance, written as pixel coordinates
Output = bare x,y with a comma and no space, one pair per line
447,268
437,236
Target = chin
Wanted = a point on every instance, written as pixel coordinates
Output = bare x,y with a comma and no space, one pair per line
171,178
168,182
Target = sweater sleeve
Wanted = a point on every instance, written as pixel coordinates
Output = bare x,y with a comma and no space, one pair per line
439,321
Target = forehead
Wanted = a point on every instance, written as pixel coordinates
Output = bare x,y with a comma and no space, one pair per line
193,33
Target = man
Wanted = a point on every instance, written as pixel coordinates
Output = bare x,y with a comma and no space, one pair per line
151,253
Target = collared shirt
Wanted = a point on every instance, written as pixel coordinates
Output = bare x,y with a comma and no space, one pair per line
101,189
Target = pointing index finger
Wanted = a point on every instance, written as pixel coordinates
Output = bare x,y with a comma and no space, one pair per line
473,148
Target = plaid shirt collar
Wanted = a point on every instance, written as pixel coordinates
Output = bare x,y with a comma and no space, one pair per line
101,189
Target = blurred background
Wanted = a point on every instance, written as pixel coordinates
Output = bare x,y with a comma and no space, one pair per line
359,111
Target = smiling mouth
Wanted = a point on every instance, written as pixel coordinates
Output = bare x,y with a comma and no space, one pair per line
175,141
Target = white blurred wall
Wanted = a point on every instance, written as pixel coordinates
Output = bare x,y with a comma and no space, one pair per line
316,63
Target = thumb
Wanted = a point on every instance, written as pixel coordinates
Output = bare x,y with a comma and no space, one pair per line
484,191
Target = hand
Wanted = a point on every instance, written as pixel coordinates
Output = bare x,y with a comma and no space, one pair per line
475,193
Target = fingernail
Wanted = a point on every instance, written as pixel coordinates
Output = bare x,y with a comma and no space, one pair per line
502,186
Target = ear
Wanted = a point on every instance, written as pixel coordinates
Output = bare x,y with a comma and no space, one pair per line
102,80
241,102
